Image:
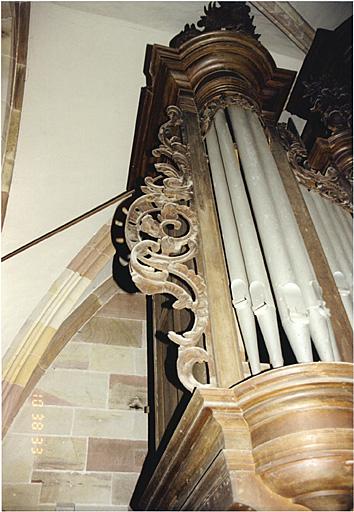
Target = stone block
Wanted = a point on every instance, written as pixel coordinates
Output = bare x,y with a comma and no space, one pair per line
17,459
127,391
20,496
116,455
111,424
140,357
123,485
131,306
66,453
72,487
112,331
73,355
55,420
111,359
73,387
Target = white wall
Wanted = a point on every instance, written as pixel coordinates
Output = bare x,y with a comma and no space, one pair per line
81,95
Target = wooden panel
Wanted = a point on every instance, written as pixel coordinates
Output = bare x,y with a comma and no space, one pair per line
168,390
225,343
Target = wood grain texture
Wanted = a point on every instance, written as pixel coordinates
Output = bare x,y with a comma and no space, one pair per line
279,441
202,69
228,363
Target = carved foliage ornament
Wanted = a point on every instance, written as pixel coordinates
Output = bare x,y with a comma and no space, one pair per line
222,101
332,100
329,185
161,232
232,16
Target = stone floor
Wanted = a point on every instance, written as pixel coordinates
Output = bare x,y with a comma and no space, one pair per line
81,437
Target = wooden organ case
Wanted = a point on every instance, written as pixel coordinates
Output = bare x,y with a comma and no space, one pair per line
249,340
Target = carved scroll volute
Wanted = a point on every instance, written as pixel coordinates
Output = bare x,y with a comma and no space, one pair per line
159,256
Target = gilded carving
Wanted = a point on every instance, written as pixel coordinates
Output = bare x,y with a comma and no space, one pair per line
161,232
332,184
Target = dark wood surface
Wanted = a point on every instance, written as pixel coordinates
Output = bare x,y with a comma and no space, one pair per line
240,64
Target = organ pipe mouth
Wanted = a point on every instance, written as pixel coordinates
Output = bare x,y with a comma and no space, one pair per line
267,237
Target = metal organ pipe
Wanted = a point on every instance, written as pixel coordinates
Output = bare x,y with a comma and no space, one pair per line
348,223
296,249
330,252
343,263
341,239
237,272
288,294
260,291
345,221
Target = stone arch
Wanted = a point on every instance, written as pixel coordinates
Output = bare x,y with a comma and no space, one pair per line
47,329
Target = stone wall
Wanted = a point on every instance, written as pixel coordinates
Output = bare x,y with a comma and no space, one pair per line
81,437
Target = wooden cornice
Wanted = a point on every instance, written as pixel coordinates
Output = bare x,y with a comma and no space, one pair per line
205,70
279,441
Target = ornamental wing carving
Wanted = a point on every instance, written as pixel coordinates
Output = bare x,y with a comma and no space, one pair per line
162,234
333,184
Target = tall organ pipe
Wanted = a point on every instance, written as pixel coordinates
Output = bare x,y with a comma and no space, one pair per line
260,292
287,292
238,278
341,239
348,222
345,267
330,253
347,228
302,267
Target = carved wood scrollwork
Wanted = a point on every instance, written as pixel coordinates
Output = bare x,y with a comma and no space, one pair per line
234,16
223,101
333,185
161,232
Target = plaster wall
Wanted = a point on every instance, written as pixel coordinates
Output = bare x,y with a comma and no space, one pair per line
81,95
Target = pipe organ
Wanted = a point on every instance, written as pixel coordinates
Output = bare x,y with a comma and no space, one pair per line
335,230
298,296
248,277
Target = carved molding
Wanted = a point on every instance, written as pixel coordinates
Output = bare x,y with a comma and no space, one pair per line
161,232
281,440
232,16
331,183
223,101
332,100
